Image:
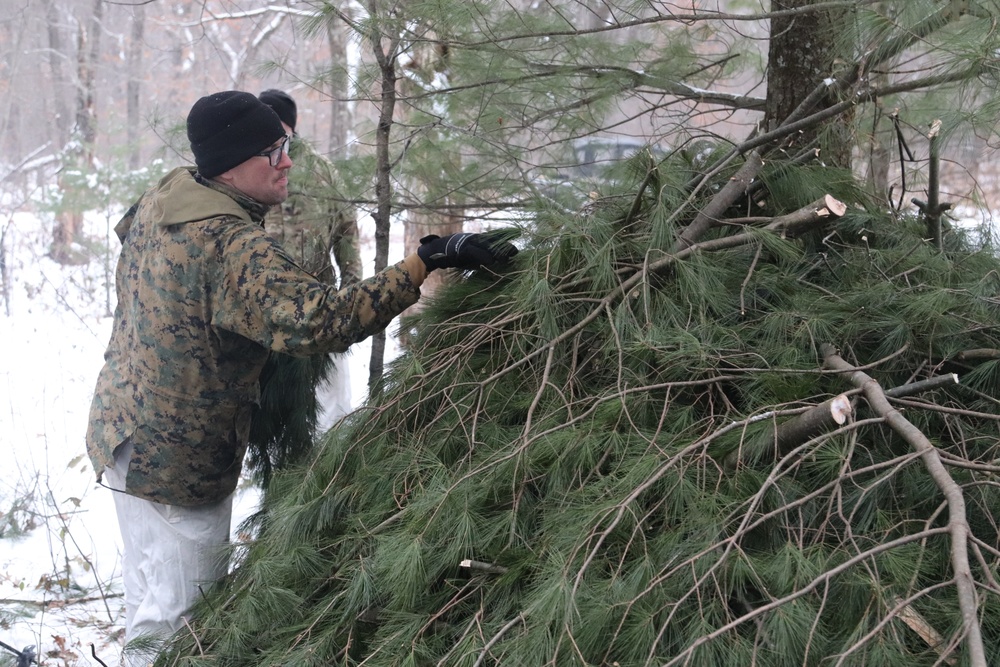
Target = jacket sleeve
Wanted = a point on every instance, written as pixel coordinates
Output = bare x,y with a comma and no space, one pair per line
264,296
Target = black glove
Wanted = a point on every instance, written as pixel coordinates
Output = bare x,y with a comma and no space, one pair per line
463,251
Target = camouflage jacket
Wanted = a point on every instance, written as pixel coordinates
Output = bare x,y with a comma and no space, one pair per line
313,222
203,294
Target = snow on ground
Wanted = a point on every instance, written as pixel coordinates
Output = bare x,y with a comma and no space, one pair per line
60,584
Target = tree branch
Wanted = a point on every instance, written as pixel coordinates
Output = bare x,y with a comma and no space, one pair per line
923,385
824,209
958,525
731,191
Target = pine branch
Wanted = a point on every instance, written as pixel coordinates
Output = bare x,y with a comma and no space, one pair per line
821,417
672,17
869,94
978,354
958,525
828,414
821,211
796,431
923,385
684,656
485,567
497,637
731,191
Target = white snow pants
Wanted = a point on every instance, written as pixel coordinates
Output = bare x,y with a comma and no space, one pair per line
169,552
334,395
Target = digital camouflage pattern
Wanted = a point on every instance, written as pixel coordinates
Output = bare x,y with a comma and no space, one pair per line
203,294
313,222
315,227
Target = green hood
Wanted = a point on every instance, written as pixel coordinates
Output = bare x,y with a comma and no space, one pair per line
178,199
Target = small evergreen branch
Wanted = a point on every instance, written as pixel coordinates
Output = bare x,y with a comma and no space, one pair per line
977,548
497,637
804,427
649,179
823,210
978,354
823,578
958,525
194,636
959,462
485,567
929,384
710,215
923,405
932,209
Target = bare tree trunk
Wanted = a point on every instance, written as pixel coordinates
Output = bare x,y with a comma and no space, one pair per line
134,86
69,223
56,53
341,115
12,37
801,56
880,156
880,140
385,55
88,52
4,274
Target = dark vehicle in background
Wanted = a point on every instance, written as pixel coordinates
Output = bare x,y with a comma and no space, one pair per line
591,165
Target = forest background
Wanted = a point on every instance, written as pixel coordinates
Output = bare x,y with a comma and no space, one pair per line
441,116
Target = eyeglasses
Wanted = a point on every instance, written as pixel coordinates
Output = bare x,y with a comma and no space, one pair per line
273,155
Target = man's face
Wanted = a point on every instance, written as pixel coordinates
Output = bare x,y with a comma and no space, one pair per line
260,181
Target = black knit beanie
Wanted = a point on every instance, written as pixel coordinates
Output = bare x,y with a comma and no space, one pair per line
228,128
283,105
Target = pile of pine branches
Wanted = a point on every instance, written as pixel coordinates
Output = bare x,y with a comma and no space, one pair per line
739,419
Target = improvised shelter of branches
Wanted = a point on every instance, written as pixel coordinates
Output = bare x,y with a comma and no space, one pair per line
730,410
625,450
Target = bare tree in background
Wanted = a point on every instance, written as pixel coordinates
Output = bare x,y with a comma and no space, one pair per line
69,221
133,91
57,55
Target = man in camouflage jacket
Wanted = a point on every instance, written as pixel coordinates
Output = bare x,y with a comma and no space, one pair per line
203,294
313,224
300,395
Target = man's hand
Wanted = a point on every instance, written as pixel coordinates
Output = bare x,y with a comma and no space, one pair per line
463,251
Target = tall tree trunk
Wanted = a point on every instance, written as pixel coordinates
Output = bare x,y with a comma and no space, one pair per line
56,53
134,86
801,55
385,49
879,149
88,52
341,115
69,222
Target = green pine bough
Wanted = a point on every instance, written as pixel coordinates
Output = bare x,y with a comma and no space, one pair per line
770,440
